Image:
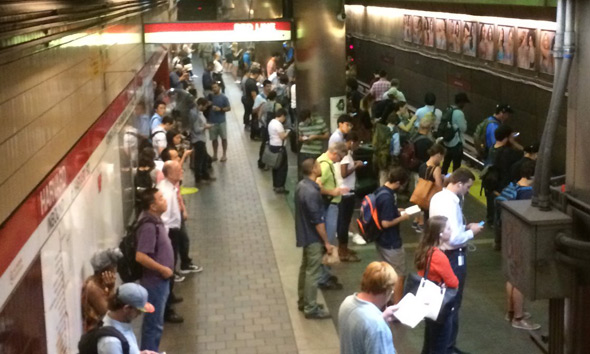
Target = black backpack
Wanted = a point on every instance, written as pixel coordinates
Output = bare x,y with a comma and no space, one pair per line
89,341
445,128
128,268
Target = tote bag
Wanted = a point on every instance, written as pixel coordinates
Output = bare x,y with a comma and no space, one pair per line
424,191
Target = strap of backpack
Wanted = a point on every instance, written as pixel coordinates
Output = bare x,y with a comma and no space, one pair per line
110,331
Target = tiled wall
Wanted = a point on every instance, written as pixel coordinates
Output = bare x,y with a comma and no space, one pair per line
50,98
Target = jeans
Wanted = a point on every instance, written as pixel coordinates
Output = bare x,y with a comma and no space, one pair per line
345,211
153,323
436,336
279,174
247,110
331,224
461,273
264,139
200,158
454,154
309,273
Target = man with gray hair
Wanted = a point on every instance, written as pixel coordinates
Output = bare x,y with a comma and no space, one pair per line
179,78
332,195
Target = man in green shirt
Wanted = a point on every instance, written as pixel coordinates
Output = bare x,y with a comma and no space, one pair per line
332,195
313,131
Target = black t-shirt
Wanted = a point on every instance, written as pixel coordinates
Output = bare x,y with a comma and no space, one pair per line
387,210
515,169
421,145
503,158
250,86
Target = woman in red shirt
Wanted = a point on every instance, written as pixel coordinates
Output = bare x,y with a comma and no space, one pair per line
436,335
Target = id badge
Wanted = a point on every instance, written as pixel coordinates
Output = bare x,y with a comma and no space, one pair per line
461,260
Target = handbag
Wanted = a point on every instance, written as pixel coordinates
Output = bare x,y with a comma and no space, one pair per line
424,191
331,259
439,300
272,159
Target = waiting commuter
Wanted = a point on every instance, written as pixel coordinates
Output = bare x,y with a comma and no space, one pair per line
389,243
429,102
259,102
530,154
250,93
219,106
448,203
99,287
199,127
207,80
310,229
346,177
395,92
380,86
159,138
501,115
362,327
332,195
431,170
155,254
276,141
428,255
179,78
455,145
344,126
268,111
353,95
160,111
130,301
313,131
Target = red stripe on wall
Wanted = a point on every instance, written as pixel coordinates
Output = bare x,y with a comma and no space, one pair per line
208,26
17,230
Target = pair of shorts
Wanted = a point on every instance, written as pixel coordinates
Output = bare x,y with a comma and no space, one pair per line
218,130
396,257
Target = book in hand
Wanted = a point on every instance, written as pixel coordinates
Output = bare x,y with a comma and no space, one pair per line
414,209
410,310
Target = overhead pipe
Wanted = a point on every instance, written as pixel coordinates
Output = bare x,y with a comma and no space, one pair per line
541,187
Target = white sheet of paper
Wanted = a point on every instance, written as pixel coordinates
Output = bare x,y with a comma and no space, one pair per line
410,310
414,209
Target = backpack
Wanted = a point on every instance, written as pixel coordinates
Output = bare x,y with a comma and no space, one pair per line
368,220
408,158
128,268
479,138
89,341
445,128
270,115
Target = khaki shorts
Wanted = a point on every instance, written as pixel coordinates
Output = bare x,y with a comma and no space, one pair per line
395,257
218,130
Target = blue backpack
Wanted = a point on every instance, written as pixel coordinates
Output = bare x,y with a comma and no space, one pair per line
368,220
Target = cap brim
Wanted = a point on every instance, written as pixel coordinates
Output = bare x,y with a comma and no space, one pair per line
148,308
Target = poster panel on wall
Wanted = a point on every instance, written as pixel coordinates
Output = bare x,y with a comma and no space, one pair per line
407,28
441,33
546,62
485,46
454,36
469,38
505,54
418,30
337,108
527,48
429,31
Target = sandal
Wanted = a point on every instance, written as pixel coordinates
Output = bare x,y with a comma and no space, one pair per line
223,159
349,258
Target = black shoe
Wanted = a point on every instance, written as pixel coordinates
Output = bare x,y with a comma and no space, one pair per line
331,285
458,351
173,317
333,278
175,299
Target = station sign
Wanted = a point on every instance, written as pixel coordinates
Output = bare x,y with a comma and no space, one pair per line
209,32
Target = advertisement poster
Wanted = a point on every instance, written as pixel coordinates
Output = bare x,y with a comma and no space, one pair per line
527,49
469,38
454,36
407,28
337,108
418,30
546,64
441,33
485,46
505,54
429,31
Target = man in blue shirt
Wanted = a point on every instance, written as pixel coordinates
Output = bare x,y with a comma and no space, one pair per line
160,111
310,230
389,243
219,105
502,114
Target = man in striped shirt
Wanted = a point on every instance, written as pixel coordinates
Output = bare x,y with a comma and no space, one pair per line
380,86
313,131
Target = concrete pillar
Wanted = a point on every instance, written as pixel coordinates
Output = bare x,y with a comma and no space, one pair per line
320,54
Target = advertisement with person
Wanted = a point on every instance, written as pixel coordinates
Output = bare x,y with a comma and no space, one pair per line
546,64
469,38
441,33
418,30
505,54
429,31
527,48
454,36
485,46
407,28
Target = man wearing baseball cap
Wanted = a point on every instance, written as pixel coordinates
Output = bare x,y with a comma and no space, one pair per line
130,301
500,117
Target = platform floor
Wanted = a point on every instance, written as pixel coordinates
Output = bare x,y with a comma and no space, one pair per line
245,300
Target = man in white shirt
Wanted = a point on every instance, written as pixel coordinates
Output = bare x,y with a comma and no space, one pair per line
344,126
129,302
429,102
159,141
448,203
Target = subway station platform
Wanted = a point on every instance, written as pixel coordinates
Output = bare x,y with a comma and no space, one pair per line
245,300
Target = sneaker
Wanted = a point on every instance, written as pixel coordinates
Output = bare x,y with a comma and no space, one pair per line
319,306
358,239
508,316
524,324
172,317
419,229
414,224
179,278
191,269
318,315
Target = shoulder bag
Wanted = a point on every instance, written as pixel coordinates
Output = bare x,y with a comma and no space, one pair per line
425,189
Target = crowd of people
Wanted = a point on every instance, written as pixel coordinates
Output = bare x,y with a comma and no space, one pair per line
406,147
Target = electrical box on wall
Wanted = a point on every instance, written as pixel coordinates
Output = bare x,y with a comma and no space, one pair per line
529,251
